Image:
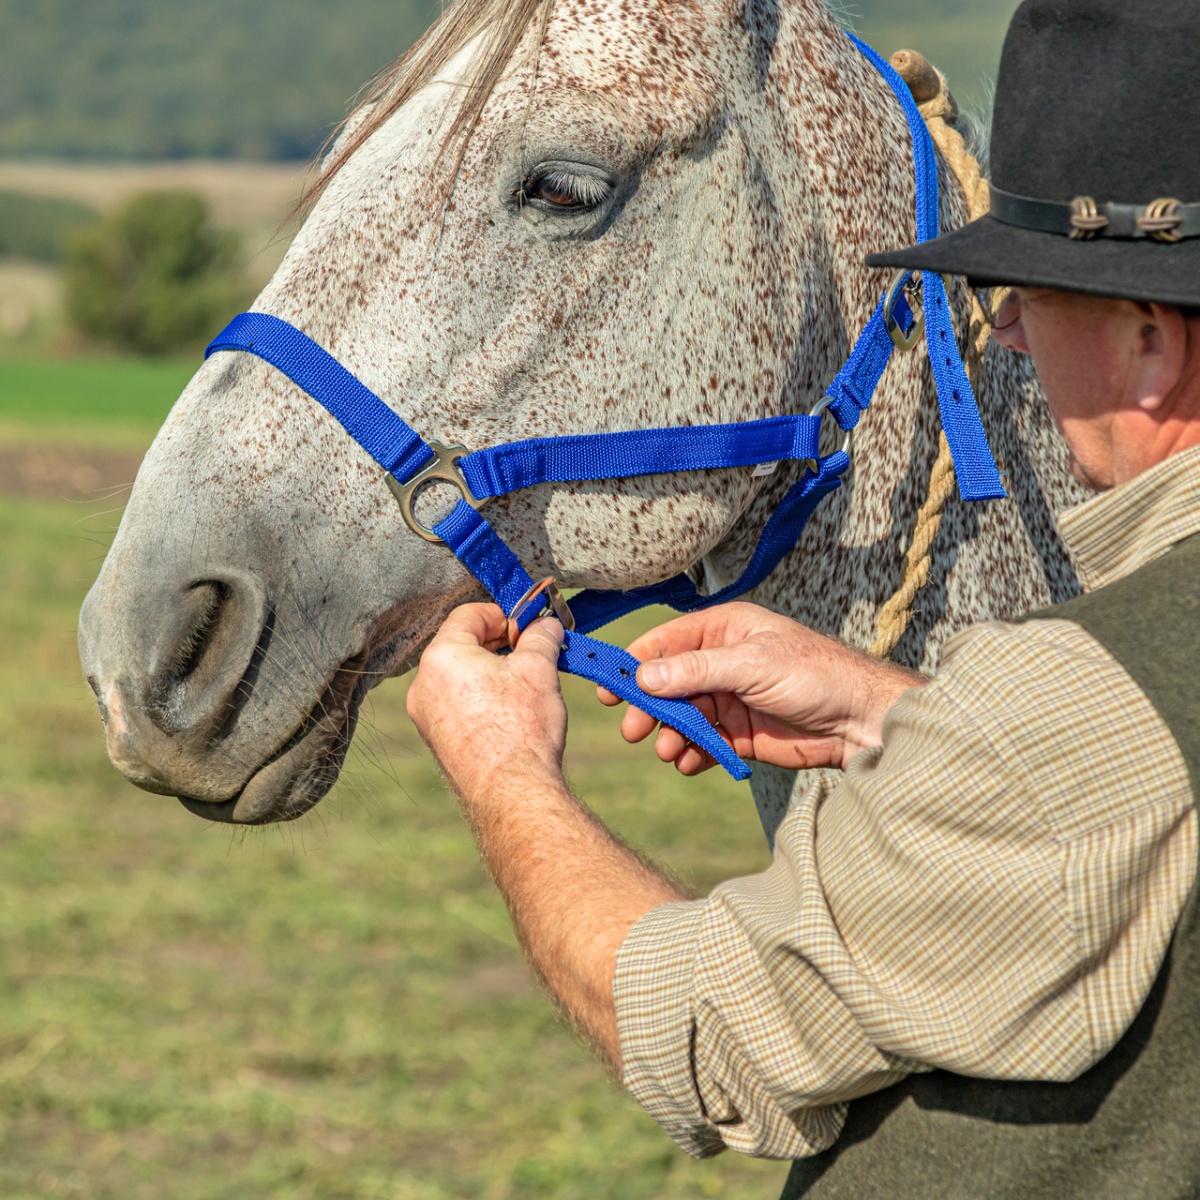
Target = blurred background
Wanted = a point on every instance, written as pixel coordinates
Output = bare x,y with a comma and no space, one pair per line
335,1008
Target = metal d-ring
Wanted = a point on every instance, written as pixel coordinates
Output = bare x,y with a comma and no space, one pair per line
556,604
443,469
903,342
818,409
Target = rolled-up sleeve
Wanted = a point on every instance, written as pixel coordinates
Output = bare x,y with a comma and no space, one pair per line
992,894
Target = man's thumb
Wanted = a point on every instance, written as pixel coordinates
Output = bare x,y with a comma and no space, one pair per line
686,674
543,638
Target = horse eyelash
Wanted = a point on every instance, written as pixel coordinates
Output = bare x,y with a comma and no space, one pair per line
587,189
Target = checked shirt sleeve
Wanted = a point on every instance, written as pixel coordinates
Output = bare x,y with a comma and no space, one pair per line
992,894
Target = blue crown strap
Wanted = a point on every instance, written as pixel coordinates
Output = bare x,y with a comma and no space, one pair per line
483,552
978,476
509,468
366,418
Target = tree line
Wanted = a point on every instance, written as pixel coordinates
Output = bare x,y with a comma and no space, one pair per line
268,79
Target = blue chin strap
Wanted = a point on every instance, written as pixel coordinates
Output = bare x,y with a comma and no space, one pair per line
411,463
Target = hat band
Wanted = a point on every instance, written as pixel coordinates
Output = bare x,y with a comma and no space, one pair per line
1083,219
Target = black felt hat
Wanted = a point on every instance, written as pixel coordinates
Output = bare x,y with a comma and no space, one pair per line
1095,156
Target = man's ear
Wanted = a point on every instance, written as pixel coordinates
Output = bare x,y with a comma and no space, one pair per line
1162,352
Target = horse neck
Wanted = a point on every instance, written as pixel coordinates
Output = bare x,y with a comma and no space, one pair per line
834,141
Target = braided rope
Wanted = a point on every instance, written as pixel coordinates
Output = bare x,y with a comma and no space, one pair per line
932,93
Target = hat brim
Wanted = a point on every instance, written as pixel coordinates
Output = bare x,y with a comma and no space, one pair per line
990,254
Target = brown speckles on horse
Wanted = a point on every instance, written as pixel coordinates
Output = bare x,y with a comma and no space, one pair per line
747,159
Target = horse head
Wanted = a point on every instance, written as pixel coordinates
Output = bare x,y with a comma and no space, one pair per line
548,219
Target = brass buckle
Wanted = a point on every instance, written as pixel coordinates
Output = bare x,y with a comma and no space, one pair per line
904,342
443,469
556,604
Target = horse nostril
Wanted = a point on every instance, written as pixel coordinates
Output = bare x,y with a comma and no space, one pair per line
209,599
204,652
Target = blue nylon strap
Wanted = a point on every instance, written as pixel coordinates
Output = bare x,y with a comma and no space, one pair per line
483,552
486,555
517,465
366,418
978,476
615,670
396,447
853,388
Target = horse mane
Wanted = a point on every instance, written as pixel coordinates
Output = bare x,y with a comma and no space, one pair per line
502,24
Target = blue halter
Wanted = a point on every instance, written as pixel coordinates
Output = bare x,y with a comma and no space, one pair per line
411,462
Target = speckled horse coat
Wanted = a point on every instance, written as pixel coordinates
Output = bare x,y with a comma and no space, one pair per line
660,218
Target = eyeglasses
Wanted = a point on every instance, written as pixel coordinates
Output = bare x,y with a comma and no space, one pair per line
991,301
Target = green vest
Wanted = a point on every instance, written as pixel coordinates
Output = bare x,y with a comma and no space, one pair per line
1129,1129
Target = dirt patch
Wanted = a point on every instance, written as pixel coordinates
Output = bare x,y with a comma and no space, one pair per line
70,473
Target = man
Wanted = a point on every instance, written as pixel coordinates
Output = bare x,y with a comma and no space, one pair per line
972,969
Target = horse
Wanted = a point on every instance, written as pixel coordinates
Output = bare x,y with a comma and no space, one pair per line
552,217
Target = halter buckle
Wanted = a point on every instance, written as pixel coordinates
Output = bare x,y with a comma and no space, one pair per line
904,342
443,469
555,604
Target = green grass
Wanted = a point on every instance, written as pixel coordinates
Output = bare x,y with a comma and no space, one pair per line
330,1009
118,402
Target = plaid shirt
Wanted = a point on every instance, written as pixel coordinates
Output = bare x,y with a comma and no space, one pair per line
992,892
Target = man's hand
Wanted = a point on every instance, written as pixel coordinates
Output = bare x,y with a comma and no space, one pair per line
781,693
497,727
491,720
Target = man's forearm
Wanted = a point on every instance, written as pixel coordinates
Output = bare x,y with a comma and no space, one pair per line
574,892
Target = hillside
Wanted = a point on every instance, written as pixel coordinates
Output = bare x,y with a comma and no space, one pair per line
267,79
252,79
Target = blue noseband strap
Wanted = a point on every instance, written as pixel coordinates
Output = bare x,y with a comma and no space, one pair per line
501,470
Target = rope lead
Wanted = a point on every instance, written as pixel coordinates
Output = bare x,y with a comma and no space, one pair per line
932,94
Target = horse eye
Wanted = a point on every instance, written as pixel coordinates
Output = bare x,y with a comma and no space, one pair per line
550,192
565,192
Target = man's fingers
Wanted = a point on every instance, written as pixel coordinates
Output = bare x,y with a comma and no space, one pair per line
684,633
636,725
694,761
542,639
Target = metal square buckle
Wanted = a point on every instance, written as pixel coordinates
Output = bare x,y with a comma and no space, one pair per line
555,605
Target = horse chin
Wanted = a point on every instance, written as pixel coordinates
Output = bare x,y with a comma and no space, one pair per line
304,769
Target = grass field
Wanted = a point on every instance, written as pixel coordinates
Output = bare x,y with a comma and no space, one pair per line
330,1009
112,402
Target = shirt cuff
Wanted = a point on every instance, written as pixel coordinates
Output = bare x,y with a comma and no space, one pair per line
652,990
